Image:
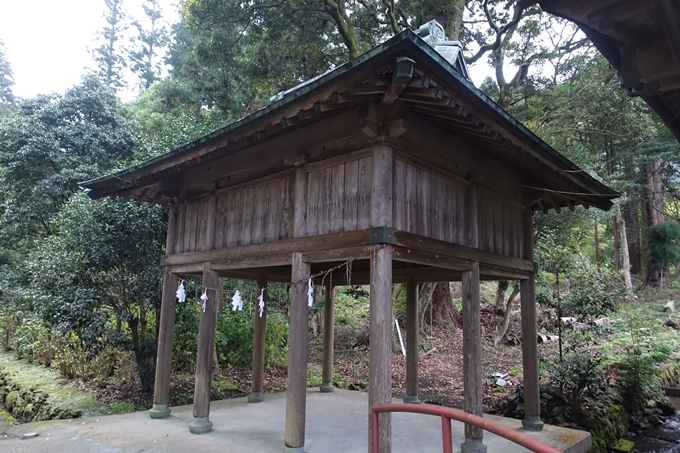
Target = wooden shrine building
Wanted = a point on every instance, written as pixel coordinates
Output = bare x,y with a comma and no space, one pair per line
393,161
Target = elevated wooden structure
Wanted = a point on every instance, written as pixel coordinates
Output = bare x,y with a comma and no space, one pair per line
393,161
641,39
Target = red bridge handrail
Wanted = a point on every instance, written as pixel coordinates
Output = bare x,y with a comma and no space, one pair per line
447,414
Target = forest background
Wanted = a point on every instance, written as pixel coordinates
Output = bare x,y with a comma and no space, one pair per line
80,280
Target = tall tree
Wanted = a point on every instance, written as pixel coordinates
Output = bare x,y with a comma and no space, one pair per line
6,81
110,55
146,52
50,144
97,276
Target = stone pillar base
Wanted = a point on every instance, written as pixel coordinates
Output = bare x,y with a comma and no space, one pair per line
159,411
294,450
472,446
326,387
411,399
255,397
200,425
532,423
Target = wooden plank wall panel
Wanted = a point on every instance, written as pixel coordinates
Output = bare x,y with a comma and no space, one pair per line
501,225
339,197
253,215
429,204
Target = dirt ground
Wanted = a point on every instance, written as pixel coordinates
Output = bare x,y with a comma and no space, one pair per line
440,369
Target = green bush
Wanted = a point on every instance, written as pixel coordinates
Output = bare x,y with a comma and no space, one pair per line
579,373
234,338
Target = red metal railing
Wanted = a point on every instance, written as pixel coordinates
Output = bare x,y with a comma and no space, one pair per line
447,414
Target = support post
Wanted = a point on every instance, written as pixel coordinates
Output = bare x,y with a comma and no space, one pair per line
380,341
472,360
532,399
206,343
411,342
296,395
328,340
259,339
161,393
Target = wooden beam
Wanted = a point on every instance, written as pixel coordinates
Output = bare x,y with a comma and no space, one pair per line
472,359
619,11
668,17
206,342
619,33
328,340
296,393
301,244
412,337
434,246
259,342
161,393
380,342
401,75
353,253
532,400
427,259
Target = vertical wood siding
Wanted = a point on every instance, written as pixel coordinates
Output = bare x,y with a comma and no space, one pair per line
501,225
339,198
253,215
429,205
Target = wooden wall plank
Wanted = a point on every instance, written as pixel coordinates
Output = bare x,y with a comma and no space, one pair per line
338,198
273,212
325,200
313,200
498,231
248,216
411,223
461,215
399,208
351,209
287,209
259,212
365,182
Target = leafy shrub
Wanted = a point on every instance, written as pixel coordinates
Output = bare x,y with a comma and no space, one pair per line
34,342
234,338
662,243
580,371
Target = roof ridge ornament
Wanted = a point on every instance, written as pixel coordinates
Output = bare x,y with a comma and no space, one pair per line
433,33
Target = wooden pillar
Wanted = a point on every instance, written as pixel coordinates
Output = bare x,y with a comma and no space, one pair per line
532,401
472,359
259,339
380,317
161,393
380,341
296,395
328,340
206,343
411,342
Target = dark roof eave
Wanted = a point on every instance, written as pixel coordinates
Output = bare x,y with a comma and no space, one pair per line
406,40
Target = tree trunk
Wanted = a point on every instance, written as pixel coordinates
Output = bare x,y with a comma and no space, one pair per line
597,245
630,217
449,13
502,288
655,216
508,311
617,251
624,248
442,304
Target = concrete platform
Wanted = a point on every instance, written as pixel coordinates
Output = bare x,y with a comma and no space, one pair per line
336,422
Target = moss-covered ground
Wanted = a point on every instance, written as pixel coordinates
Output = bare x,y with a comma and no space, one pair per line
61,392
